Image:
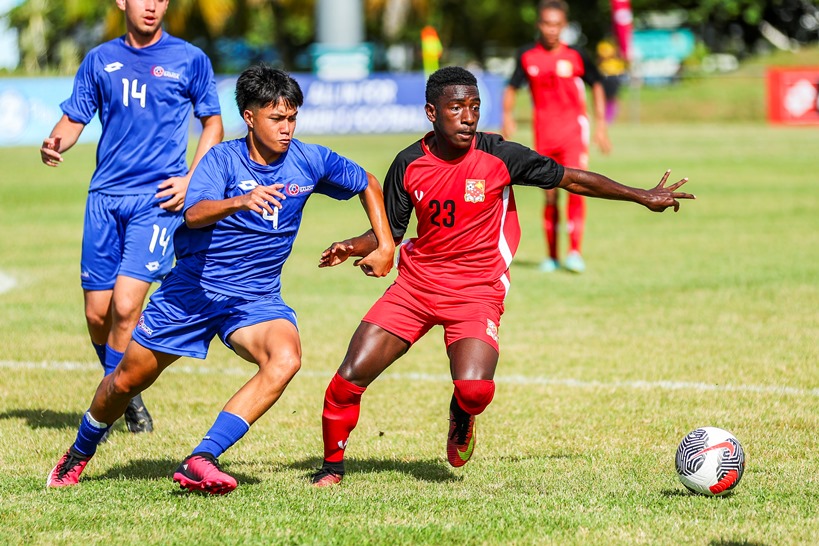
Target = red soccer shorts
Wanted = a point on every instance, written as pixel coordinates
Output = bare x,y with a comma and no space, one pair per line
409,314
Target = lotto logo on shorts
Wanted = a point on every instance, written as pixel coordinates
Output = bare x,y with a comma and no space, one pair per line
492,330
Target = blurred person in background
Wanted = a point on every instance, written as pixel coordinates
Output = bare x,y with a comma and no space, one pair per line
142,85
612,69
555,73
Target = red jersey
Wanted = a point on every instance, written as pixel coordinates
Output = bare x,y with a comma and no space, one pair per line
468,228
556,79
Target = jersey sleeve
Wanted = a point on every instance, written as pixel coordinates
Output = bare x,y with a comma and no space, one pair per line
339,177
526,167
203,93
591,73
83,102
518,78
396,199
210,178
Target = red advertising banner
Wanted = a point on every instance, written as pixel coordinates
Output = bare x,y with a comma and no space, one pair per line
793,96
622,19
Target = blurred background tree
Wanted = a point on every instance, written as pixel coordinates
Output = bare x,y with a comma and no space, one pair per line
55,34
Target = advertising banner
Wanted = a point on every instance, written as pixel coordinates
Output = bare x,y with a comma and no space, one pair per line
793,96
379,104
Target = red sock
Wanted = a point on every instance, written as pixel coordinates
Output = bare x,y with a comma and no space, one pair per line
550,222
473,395
577,220
342,406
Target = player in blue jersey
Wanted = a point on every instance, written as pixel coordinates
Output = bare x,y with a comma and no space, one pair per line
242,214
142,85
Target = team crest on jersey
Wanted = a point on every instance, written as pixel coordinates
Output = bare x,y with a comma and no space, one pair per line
564,68
475,191
160,72
492,330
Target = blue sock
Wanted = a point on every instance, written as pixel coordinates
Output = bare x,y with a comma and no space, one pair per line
89,434
226,431
100,350
112,358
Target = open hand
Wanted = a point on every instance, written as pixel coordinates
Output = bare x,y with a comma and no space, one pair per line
660,197
335,254
172,193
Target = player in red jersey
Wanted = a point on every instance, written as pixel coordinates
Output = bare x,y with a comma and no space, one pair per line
456,271
555,74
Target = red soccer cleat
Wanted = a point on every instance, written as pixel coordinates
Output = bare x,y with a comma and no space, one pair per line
327,476
201,472
68,469
461,440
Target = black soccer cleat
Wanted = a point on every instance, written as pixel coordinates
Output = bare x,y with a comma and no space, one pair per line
137,418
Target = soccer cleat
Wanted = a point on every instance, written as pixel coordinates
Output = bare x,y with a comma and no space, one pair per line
329,474
68,469
137,418
201,472
549,265
574,262
461,440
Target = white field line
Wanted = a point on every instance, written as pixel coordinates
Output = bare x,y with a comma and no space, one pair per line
6,282
443,378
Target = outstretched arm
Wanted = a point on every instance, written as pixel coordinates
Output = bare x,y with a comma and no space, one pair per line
592,184
62,137
376,247
172,191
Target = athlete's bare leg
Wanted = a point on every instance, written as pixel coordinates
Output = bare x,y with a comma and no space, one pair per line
371,351
137,371
275,347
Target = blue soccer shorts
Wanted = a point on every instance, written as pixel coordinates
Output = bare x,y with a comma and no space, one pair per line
126,235
182,318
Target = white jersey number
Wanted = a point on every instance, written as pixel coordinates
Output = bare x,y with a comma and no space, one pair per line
162,237
136,92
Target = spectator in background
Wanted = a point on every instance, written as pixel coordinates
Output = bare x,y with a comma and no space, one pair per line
143,85
612,68
553,71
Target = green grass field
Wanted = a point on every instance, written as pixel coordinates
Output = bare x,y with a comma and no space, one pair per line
704,317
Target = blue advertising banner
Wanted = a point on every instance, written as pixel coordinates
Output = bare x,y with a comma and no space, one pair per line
381,103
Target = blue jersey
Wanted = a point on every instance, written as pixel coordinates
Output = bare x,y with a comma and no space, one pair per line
243,254
144,99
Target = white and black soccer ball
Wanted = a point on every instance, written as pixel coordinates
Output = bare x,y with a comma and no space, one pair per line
710,461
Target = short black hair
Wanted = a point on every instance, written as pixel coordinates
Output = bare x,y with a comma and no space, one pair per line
560,5
450,75
261,84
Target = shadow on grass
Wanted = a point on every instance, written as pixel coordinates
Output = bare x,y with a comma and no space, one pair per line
669,493
152,469
737,542
430,470
45,418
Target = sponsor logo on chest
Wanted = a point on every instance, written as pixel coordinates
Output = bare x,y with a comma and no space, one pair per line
161,72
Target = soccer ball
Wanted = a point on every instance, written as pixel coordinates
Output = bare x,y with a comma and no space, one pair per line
710,461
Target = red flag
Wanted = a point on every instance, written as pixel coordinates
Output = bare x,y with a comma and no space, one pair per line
622,21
